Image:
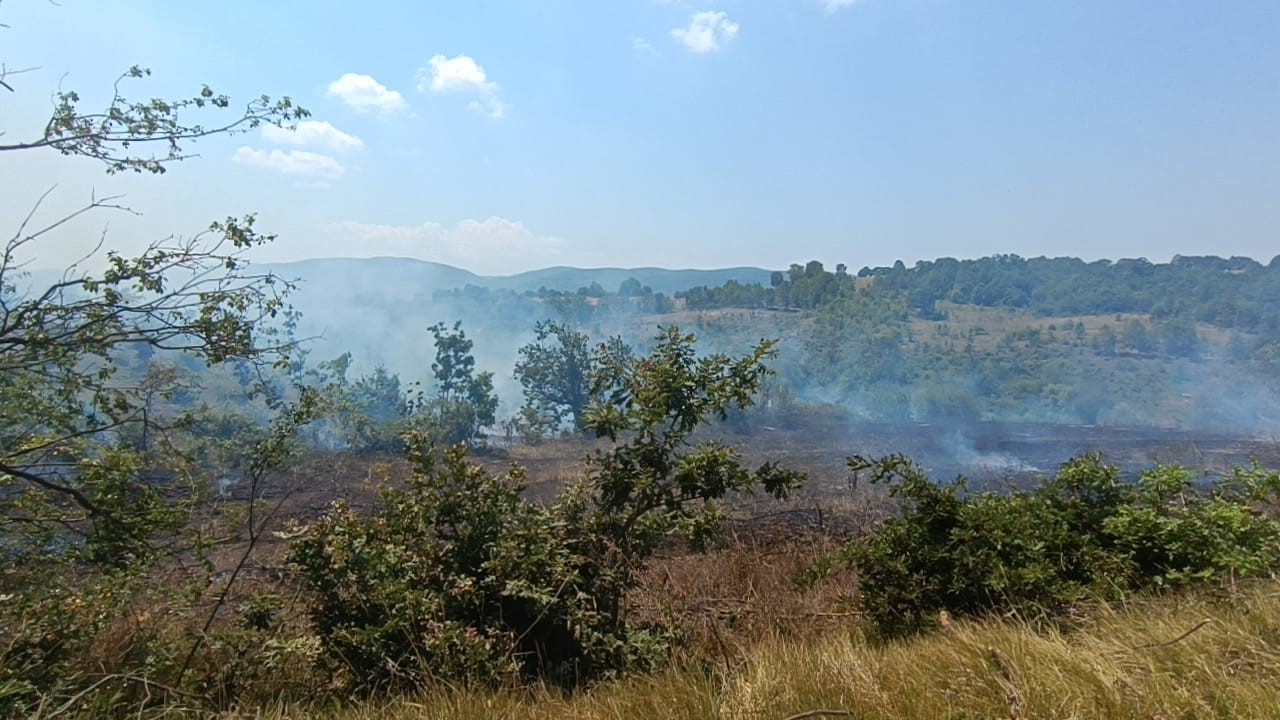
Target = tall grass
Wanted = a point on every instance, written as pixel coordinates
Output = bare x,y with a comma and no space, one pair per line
1200,655
1138,662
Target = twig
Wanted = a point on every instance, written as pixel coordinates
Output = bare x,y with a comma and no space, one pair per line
820,713
261,466
69,704
254,536
724,649
742,610
555,598
1012,683
1180,638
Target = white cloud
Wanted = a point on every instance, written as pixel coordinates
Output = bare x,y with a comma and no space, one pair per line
366,94
484,246
313,133
489,105
459,73
834,5
301,163
641,46
706,31
462,74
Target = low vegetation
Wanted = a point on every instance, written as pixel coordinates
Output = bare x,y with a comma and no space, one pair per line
1081,535
1185,656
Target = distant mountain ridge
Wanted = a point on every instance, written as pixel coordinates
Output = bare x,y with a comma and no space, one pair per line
379,308
389,274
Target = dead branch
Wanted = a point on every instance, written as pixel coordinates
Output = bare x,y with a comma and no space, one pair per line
1178,639
820,713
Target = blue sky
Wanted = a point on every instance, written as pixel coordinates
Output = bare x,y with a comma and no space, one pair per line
505,136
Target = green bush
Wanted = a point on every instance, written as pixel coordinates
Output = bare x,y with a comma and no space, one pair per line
456,577
1082,534
1174,536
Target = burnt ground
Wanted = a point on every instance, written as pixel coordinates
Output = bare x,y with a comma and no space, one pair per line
749,579
990,455
995,454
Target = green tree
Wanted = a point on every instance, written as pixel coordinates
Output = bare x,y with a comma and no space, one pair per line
1081,534
555,371
454,365
465,402
1137,337
1178,338
654,480
1104,341
373,412
631,287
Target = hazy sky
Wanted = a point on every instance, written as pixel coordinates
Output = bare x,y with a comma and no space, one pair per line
505,136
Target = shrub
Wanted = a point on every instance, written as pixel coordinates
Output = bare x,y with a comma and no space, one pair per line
451,577
1173,535
456,577
1082,534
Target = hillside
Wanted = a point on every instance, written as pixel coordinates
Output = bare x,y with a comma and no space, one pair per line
378,308
661,280
815,574
408,274
1184,345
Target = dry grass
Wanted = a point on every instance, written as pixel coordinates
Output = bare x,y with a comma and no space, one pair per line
988,326
724,601
1135,662
671,694
1122,664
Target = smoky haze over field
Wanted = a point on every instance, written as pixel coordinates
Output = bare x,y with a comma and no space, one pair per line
863,357
378,310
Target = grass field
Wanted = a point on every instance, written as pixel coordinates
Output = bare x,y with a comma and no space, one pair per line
1199,656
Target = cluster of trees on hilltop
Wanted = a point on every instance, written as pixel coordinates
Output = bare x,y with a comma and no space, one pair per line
1237,293
586,304
1234,293
801,287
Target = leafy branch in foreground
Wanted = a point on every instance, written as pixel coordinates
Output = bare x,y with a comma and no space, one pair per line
96,485
110,135
66,413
